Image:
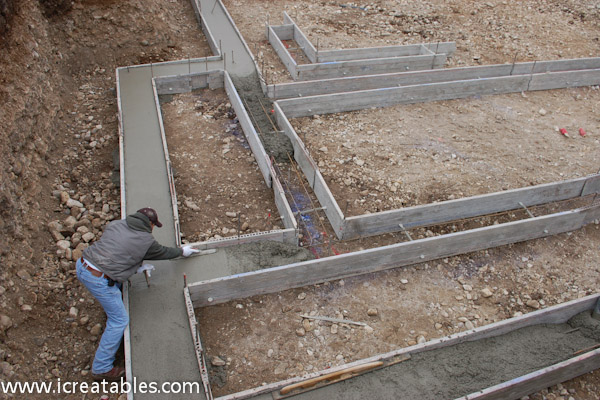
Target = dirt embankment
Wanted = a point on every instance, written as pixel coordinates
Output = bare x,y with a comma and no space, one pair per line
58,112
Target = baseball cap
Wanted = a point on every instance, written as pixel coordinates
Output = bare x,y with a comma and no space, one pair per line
151,214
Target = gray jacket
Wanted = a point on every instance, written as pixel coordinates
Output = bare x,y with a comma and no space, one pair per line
124,245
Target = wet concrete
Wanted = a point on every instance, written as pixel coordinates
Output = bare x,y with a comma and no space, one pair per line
456,371
276,144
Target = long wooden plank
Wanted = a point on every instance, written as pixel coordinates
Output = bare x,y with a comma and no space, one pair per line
432,214
258,150
348,84
384,52
568,79
592,185
392,256
282,235
283,206
551,315
342,102
313,175
301,39
170,177
540,379
368,67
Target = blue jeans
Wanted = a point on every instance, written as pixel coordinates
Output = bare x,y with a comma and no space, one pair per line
111,299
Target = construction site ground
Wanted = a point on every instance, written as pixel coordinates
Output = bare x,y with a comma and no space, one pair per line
216,176
57,91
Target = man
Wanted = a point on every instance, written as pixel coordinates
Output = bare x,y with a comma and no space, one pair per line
107,264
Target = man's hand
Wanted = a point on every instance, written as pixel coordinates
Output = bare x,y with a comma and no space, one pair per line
188,251
146,267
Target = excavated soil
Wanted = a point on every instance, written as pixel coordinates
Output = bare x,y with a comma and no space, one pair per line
59,114
216,175
394,157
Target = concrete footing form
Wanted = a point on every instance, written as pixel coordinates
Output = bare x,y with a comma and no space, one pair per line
158,343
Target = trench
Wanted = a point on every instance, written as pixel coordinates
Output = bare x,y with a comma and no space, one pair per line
455,371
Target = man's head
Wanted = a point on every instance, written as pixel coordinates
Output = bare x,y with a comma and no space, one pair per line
151,214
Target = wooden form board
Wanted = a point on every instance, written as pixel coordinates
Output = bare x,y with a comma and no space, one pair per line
351,101
350,84
285,211
326,269
321,56
169,165
335,69
312,173
273,35
541,379
177,84
309,50
351,62
200,354
283,235
260,154
446,211
551,315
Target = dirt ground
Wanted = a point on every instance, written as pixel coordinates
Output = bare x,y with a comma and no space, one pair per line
58,113
485,32
216,175
393,157
472,146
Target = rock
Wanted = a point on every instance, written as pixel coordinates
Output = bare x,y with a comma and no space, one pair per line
486,292
78,252
467,288
84,320
64,197
302,296
74,204
23,274
542,112
5,322
438,325
96,329
323,149
26,307
421,339
6,369
191,205
270,353
300,332
73,312
217,362
63,244
359,162
69,223
334,329
368,329
533,304
307,325
88,237
231,214
245,226
372,312
469,325
404,281
2,290
105,208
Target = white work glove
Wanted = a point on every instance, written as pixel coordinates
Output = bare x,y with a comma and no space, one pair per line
146,267
188,251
